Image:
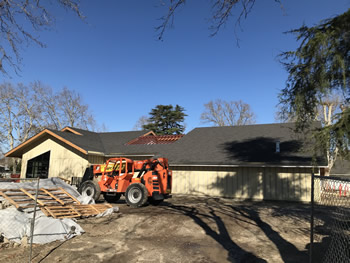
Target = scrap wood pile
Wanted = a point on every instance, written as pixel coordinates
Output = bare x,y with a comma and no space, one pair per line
55,202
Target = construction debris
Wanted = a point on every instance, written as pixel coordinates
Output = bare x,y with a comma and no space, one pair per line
59,204
75,211
25,198
55,202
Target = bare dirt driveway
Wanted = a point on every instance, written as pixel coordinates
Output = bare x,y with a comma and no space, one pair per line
185,229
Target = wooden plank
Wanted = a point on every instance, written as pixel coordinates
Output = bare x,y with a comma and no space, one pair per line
24,202
53,189
102,207
16,194
72,216
10,189
53,215
89,207
27,199
53,196
33,197
9,199
63,212
64,191
92,209
43,209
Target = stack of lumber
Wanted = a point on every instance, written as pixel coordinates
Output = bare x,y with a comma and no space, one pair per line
55,202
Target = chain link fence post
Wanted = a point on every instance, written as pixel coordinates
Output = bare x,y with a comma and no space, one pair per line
14,219
312,217
32,225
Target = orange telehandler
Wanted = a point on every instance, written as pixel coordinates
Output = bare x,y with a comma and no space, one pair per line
140,181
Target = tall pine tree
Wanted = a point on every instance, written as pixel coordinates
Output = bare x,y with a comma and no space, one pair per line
166,120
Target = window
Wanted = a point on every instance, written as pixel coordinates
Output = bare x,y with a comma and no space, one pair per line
278,147
38,166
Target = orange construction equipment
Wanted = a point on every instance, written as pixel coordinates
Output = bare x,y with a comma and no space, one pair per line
140,181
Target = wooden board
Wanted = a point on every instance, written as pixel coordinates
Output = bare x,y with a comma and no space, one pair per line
75,211
92,209
62,211
25,198
55,202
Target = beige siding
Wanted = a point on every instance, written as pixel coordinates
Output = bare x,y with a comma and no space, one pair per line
63,162
271,183
96,159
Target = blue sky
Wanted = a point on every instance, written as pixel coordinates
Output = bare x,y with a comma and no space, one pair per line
116,63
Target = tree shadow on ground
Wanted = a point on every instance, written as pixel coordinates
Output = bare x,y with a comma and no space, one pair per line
222,237
285,248
268,190
214,209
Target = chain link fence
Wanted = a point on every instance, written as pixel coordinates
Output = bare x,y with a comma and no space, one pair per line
330,220
12,217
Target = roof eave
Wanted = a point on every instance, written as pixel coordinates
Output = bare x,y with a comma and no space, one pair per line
15,151
247,165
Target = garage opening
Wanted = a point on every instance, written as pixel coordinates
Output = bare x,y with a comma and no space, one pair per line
38,166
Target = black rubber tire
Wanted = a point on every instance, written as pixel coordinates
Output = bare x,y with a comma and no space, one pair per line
155,202
136,195
90,188
111,198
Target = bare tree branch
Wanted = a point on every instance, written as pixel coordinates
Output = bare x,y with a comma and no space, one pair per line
228,113
25,110
222,10
16,31
143,120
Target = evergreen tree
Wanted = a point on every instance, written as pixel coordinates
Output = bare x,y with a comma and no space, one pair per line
166,120
318,67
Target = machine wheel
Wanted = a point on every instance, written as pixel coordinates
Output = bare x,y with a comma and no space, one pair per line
111,198
90,188
155,202
136,195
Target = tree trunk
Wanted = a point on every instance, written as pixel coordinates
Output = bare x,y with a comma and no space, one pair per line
14,165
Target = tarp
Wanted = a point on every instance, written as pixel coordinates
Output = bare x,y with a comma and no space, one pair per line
43,183
14,225
48,183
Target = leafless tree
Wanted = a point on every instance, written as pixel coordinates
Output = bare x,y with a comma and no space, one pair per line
74,112
143,120
228,113
25,110
20,21
50,117
18,114
222,10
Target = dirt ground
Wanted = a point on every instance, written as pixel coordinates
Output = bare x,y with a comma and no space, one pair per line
185,229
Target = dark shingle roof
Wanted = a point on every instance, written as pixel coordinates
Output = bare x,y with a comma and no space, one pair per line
113,141
235,145
106,142
244,145
89,141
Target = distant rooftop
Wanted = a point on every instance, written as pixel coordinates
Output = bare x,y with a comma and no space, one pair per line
156,139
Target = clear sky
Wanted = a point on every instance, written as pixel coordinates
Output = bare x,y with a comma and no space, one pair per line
122,71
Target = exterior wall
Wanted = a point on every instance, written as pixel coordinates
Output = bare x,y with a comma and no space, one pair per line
291,184
96,159
64,162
